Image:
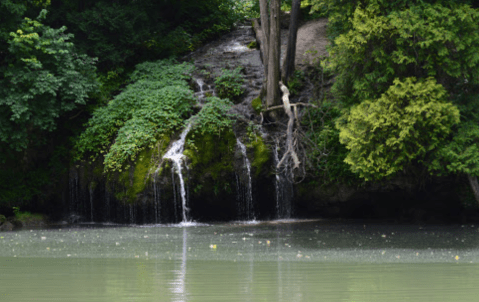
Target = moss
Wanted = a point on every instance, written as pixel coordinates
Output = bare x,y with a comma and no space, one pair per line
211,154
261,153
257,105
253,45
140,175
30,219
98,170
134,179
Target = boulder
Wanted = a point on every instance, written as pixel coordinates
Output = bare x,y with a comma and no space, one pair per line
6,226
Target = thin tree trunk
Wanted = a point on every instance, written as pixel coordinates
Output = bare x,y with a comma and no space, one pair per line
265,27
288,65
474,185
272,91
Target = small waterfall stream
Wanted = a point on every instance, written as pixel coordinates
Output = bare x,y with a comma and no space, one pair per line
248,202
175,154
157,200
283,190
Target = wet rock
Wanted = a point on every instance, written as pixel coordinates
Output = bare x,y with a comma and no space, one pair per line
6,226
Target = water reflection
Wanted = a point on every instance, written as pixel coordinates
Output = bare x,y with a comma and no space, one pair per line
178,287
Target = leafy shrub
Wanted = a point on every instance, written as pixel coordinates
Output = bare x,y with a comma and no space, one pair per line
421,41
214,117
407,124
43,79
325,153
229,84
295,82
156,102
257,105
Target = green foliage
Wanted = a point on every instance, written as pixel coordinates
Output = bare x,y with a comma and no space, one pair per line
27,218
295,82
460,155
45,78
325,153
211,154
2,219
156,102
261,153
230,84
249,9
17,187
420,41
257,105
407,123
124,33
253,45
214,117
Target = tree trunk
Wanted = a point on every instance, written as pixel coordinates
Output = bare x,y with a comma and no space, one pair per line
272,88
288,65
474,185
265,27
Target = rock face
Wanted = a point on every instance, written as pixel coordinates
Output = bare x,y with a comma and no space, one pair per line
229,52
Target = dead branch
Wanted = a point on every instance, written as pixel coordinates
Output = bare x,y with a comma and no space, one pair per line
290,152
292,105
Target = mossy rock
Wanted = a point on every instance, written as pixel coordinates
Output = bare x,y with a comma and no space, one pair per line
135,177
257,105
29,219
211,155
261,154
253,45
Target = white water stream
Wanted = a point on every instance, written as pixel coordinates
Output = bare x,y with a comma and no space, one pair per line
249,193
175,154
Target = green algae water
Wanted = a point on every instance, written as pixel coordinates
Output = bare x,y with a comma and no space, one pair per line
271,261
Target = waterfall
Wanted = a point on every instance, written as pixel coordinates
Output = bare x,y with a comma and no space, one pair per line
249,215
175,154
157,200
283,190
107,204
179,284
73,190
91,190
200,84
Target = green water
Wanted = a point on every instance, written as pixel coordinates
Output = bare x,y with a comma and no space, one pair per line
290,261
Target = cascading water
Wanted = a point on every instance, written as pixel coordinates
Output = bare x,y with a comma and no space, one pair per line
157,200
107,205
90,189
247,208
74,192
200,84
175,154
284,191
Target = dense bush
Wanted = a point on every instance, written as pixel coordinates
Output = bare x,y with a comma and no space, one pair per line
403,72
230,84
156,102
405,126
214,117
44,78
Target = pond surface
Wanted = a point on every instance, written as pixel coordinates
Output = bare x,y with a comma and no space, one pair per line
271,261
